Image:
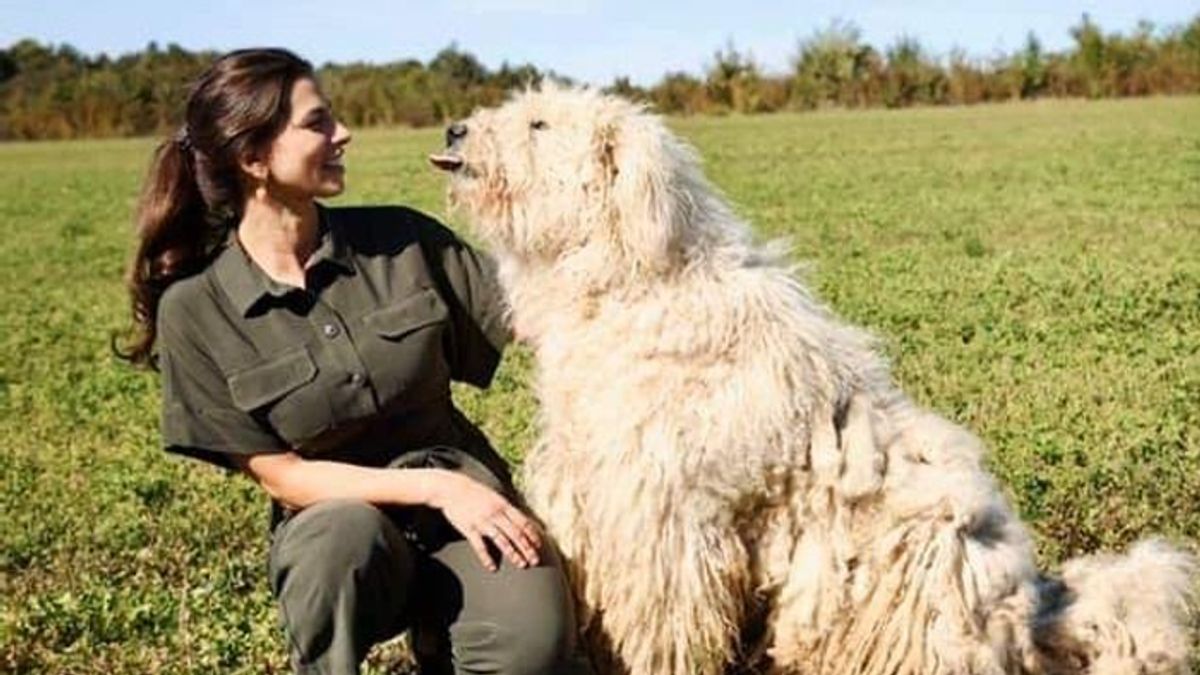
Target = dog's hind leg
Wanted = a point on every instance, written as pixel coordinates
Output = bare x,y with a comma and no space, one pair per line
934,577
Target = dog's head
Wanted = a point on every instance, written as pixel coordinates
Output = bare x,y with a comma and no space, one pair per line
559,171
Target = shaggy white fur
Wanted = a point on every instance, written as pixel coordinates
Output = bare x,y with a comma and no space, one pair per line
730,471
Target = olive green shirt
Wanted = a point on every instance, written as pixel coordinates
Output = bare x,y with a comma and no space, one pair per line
355,367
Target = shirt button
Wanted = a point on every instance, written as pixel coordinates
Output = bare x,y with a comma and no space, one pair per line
356,378
330,330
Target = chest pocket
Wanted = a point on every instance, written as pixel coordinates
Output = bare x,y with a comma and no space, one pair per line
405,351
417,311
282,392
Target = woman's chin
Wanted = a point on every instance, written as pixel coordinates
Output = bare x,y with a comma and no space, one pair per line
332,188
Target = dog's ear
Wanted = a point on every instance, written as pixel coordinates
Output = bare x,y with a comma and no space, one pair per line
637,158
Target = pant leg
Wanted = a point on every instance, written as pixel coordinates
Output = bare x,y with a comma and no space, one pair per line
341,572
513,621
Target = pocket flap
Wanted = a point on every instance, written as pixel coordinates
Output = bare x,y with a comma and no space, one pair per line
259,385
416,311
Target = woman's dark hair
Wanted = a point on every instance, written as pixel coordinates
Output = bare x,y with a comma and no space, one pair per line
193,193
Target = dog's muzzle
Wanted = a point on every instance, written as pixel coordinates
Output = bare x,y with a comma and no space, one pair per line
450,159
446,161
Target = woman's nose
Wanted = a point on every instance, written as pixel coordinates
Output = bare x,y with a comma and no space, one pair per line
341,134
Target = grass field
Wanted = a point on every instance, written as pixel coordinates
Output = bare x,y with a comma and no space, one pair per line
1033,270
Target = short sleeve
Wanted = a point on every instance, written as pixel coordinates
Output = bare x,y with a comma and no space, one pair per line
199,419
469,285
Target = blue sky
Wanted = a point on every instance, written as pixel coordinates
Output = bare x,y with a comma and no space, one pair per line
587,39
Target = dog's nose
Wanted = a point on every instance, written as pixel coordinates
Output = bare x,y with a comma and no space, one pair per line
455,131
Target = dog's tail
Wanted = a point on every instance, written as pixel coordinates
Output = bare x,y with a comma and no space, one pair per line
1119,615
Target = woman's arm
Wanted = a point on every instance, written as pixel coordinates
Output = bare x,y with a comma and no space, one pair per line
472,508
297,483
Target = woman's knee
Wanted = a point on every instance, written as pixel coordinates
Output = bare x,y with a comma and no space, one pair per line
543,646
533,634
337,554
512,647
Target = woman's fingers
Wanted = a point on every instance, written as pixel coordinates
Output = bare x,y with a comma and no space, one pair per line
532,530
503,541
524,533
513,542
481,551
507,537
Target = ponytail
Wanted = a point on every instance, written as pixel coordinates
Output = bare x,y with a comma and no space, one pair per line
193,192
176,239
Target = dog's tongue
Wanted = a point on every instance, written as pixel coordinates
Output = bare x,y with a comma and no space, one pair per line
445,162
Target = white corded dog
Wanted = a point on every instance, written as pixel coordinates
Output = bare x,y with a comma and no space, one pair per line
732,475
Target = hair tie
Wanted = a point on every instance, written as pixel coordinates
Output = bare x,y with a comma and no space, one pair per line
183,139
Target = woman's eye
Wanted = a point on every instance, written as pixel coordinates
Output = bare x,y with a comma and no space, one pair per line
320,123
538,125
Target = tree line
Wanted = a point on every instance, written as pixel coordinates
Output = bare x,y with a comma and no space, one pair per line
49,91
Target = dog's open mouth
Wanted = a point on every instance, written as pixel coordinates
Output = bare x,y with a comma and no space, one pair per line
446,161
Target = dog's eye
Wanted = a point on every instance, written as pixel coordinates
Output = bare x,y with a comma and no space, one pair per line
538,125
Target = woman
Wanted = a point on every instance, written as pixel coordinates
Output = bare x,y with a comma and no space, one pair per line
312,349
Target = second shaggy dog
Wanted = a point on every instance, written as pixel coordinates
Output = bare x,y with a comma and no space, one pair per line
730,471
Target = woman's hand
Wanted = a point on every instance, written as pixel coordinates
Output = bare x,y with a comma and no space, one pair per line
480,513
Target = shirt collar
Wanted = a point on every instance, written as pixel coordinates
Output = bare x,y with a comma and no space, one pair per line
332,245
246,283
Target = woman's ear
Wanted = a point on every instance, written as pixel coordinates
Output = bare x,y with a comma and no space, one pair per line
254,166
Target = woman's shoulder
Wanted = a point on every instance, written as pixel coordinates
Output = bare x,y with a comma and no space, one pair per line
183,299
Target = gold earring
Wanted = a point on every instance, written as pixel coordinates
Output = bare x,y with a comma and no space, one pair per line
260,193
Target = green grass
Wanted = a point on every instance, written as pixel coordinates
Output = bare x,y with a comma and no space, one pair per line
1032,270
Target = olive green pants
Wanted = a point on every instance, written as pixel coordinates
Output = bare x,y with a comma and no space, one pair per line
348,574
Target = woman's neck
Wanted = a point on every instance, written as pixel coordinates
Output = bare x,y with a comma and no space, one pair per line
279,238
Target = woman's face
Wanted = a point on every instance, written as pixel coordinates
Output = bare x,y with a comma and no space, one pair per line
305,159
